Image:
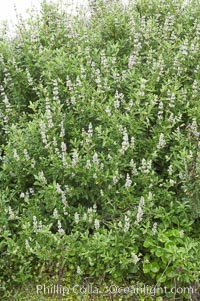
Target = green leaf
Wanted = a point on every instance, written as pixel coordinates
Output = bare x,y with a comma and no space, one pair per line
154,267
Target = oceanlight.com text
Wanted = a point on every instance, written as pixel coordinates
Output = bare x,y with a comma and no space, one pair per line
91,289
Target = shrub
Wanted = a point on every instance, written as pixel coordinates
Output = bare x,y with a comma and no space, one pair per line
100,146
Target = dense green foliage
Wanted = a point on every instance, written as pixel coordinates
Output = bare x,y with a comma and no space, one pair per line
99,142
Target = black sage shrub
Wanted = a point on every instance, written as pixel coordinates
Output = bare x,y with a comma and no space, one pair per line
100,145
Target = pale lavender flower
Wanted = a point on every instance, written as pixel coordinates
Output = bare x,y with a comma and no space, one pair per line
55,213
26,155
108,112
48,114
30,80
43,132
63,147
154,228
135,258
140,211
126,223
63,198
161,143
73,101
96,224
27,246
75,158
134,168
128,181
160,111
58,188
55,90
88,164
15,155
42,177
62,131
132,144
95,159
22,195
76,218
115,180
35,224
170,170
125,142
90,130
79,272
131,61
60,229
11,214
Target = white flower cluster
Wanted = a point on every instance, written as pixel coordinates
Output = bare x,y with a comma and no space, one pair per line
170,170
160,110
42,178
55,214
11,214
171,98
43,133
27,245
131,61
126,224
194,128
142,87
160,65
62,130
26,195
140,211
63,195
63,148
132,144
89,216
29,78
95,159
134,168
75,156
168,26
154,228
135,258
88,164
76,218
55,91
73,101
48,114
117,100
195,89
128,181
125,142
6,102
35,224
15,155
26,155
184,48
69,85
161,143
108,112
104,61
90,130
60,229
79,272
96,224
146,166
